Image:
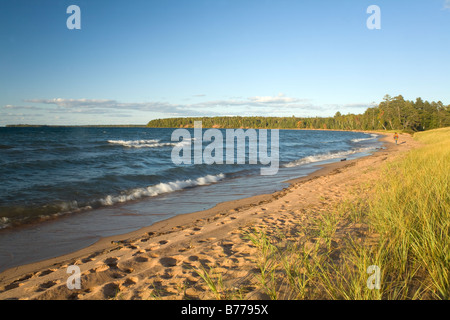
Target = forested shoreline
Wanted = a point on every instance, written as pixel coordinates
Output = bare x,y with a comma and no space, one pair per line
393,113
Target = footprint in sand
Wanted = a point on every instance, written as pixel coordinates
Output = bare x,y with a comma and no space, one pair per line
47,285
117,275
128,270
110,290
26,277
206,263
46,272
166,275
141,259
91,257
101,268
126,266
227,248
111,262
86,260
10,286
168,262
195,230
129,282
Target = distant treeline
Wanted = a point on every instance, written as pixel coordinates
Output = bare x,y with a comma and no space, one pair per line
391,114
75,126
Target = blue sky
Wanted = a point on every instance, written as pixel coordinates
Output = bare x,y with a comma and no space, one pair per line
133,61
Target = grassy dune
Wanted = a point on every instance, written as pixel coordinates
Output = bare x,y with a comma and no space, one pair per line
405,219
411,213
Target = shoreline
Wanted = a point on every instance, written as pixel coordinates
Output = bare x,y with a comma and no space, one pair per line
165,237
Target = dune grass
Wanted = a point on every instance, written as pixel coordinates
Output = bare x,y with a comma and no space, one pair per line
411,212
407,218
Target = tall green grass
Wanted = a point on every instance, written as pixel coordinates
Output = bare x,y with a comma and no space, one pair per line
411,212
407,212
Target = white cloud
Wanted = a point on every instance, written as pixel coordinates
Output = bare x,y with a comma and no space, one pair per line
217,107
279,105
70,103
281,98
447,4
10,106
103,106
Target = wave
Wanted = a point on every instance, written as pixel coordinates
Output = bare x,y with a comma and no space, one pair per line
372,136
326,156
164,187
141,143
4,222
62,208
148,143
29,214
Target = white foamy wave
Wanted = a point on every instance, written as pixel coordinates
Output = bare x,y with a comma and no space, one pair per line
149,143
362,139
4,222
161,188
325,156
185,142
141,143
372,136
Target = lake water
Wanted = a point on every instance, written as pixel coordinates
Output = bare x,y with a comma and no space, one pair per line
62,189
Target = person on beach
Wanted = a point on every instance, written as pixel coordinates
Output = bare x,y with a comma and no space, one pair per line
396,137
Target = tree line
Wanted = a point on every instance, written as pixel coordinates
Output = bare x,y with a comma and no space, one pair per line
393,113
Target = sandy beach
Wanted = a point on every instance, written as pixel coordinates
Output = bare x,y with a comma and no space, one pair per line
161,261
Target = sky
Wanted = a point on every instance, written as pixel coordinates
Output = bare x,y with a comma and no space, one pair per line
134,61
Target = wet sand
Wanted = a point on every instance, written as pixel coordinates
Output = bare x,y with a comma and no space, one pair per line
159,261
